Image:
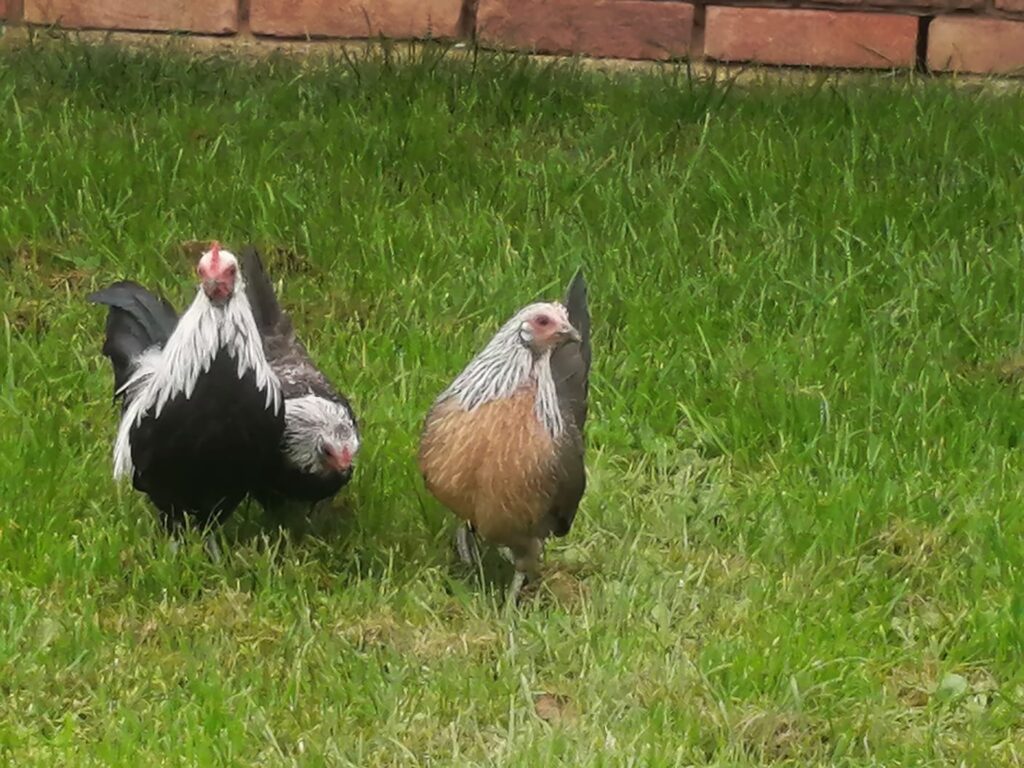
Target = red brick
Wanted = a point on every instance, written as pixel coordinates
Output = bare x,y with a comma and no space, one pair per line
810,38
1013,6
213,16
625,29
965,44
935,6
356,18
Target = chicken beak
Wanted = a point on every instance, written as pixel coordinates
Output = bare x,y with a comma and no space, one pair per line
216,291
572,334
340,461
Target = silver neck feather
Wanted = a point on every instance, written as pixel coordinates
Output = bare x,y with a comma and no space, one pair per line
505,365
201,333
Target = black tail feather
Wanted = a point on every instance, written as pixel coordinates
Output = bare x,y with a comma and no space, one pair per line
136,320
579,313
260,290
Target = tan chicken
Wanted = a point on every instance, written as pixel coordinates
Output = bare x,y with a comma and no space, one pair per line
502,447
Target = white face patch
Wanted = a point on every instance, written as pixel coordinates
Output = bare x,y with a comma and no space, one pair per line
201,333
526,332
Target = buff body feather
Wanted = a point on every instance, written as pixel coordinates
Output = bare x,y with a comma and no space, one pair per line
502,446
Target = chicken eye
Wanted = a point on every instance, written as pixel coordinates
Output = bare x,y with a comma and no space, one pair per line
543,321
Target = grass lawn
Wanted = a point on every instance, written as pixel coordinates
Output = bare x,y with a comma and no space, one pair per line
803,539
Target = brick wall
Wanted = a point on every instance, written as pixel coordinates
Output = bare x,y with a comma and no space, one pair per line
979,36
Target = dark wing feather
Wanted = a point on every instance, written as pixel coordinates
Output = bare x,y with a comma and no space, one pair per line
570,367
579,313
298,374
270,318
286,353
136,320
570,363
572,482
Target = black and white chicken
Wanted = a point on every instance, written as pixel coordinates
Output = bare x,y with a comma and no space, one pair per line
202,410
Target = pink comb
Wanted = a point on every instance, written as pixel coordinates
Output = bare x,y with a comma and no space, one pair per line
214,253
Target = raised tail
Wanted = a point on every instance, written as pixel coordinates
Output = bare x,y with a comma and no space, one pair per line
270,318
136,321
570,363
579,313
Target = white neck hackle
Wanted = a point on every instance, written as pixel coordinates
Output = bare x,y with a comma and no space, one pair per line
202,332
504,366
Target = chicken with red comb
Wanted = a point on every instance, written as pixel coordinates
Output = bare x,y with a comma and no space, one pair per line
502,447
201,408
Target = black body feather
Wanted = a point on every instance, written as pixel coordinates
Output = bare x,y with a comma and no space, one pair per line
204,453
290,484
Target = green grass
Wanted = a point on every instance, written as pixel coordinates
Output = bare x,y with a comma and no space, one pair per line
803,540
